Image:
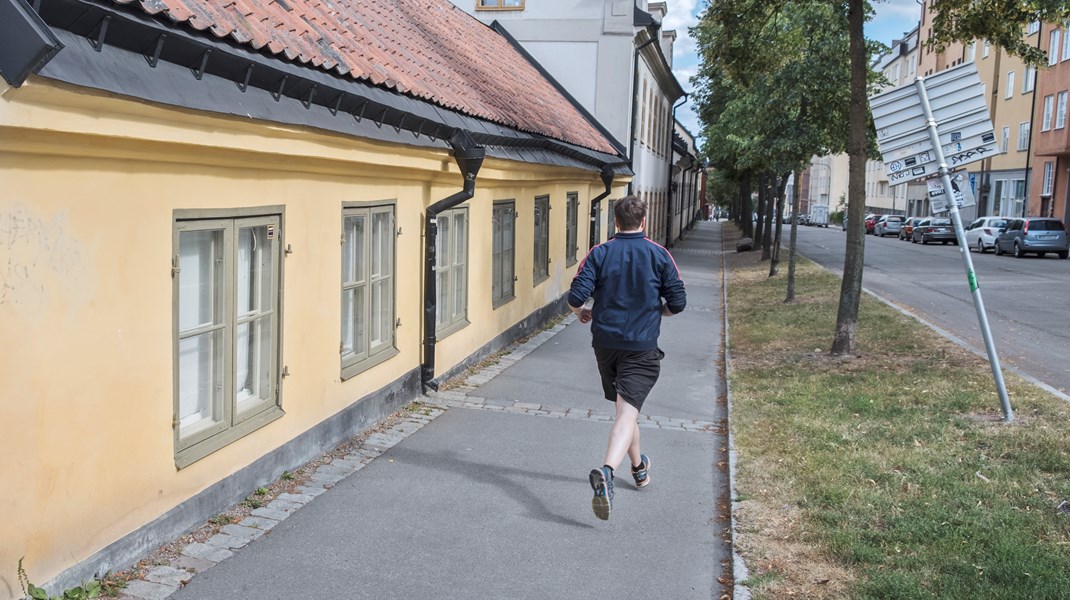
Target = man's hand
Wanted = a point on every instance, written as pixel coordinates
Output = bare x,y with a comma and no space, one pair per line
585,315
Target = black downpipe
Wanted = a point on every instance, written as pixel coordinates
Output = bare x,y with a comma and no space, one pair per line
668,201
469,158
607,180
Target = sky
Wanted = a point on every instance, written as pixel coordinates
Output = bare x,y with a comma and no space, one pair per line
893,18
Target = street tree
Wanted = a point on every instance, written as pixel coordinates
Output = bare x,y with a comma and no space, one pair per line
764,66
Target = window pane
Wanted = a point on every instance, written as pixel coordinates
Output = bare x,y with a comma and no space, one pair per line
200,289
375,334
252,364
382,313
254,270
380,243
200,382
508,269
353,252
442,242
442,280
457,307
460,237
353,326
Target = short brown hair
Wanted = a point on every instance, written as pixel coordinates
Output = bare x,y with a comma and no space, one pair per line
629,212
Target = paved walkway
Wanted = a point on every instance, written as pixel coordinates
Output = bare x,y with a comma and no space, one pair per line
485,494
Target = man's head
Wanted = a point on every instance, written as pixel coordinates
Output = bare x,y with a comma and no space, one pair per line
629,213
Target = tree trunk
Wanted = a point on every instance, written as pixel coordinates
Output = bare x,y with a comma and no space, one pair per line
745,209
767,216
759,213
774,263
851,288
796,193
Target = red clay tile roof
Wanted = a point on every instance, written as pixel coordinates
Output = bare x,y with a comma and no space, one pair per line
428,49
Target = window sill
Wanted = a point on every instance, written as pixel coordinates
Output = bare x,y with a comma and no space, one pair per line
356,368
571,261
190,455
496,304
451,329
539,279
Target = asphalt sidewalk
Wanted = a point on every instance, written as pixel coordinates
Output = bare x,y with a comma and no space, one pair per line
485,495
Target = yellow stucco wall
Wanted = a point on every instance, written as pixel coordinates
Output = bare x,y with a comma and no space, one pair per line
90,183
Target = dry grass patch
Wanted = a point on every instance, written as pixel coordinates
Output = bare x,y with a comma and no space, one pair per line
887,474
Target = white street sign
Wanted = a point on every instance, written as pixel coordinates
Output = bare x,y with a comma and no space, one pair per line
963,193
964,127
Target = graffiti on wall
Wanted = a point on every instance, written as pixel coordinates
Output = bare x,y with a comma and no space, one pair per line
36,253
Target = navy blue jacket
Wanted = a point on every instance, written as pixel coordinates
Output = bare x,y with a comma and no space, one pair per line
628,277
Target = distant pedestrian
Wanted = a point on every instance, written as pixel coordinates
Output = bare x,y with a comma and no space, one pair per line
634,282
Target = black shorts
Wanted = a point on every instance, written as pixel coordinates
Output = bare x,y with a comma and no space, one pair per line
628,373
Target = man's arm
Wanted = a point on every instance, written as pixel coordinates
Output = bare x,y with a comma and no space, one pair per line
581,288
672,288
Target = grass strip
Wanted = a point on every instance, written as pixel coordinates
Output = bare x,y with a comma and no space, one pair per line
887,474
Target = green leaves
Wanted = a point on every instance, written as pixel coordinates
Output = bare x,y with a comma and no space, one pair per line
772,88
85,591
1001,22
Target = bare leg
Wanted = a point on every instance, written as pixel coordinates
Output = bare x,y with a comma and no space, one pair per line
634,452
624,436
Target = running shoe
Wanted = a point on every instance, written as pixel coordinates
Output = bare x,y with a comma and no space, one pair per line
602,484
642,472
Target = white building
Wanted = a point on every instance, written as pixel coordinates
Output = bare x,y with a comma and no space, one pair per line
615,61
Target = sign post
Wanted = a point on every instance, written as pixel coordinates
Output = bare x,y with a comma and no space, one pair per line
913,145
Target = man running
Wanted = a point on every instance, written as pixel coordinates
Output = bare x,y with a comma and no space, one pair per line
634,282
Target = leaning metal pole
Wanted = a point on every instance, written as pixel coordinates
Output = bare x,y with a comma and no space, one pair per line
967,260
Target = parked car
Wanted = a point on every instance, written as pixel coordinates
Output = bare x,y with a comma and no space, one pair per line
1039,235
981,234
907,230
888,225
934,229
871,222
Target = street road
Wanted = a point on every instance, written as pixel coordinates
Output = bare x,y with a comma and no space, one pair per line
1027,300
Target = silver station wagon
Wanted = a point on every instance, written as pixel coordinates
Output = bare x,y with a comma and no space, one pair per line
1036,235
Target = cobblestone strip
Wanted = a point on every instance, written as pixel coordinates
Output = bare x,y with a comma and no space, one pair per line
461,396
558,412
163,580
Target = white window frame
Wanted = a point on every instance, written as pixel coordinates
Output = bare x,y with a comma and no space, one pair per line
503,252
1066,46
1033,27
1053,46
1009,92
540,258
499,4
1060,110
231,413
984,49
1029,81
1023,136
1006,138
1049,112
451,271
368,280
1049,178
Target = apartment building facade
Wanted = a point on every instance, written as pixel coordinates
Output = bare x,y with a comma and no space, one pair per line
1050,183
